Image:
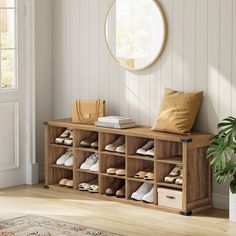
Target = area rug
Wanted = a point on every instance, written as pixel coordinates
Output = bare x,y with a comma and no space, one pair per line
33,225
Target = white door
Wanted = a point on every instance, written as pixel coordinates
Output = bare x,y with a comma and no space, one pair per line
12,93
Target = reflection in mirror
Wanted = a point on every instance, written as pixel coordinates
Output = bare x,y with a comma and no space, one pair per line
135,32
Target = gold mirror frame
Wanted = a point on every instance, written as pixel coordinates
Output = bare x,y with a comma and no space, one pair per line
163,42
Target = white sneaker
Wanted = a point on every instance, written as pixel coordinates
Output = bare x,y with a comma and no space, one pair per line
121,149
90,161
149,145
95,167
113,146
150,152
69,162
149,197
66,156
141,191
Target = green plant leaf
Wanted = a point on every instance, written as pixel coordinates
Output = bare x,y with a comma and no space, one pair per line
221,150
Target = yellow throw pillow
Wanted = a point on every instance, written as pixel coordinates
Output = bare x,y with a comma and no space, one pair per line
178,111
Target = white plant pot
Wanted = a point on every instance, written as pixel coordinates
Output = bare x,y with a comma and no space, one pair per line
232,206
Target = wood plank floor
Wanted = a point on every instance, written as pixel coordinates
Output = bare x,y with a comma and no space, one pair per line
110,216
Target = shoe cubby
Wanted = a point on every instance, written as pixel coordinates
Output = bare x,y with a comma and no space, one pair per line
58,174
82,135
55,132
109,138
164,170
169,152
133,186
135,143
84,177
135,165
80,157
187,151
110,161
108,182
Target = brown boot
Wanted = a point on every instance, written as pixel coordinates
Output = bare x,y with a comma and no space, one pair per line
116,185
121,192
91,141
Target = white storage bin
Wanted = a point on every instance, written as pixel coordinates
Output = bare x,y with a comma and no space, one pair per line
169,198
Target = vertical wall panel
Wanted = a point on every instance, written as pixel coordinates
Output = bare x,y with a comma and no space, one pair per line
85,70
94,34
103,55
189,45
74,52
233,98
201,60
225,58
178,44
133,95
200,55
144,97
166,59
113,80
123,108
213,63
65,47
155,93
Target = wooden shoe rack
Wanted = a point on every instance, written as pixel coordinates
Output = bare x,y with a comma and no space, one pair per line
170,149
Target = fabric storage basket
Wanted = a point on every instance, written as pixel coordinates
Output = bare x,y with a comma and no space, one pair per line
170,198
87,111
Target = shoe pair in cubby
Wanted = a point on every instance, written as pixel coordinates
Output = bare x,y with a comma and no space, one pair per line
65,138
91,163
115,165
119,146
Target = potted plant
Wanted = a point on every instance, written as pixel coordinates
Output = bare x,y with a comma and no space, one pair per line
222,150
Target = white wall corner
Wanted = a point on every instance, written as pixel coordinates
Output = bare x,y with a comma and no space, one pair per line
41,174
31,164
220,201
35,176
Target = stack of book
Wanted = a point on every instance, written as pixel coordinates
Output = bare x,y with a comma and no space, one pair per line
115,122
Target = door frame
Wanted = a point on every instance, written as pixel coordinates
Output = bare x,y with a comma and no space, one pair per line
30,133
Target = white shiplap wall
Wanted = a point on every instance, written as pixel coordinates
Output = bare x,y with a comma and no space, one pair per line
200,55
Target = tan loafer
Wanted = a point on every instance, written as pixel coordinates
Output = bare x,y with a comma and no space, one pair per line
63,181
121,172
111,171
92,140
70,183
149,176
140,175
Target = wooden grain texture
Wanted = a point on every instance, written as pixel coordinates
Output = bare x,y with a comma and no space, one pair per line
142,132
169,150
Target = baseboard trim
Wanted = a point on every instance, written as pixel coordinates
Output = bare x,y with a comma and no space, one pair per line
32,174
220,201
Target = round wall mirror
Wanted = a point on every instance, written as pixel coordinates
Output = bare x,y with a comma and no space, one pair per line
136,32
